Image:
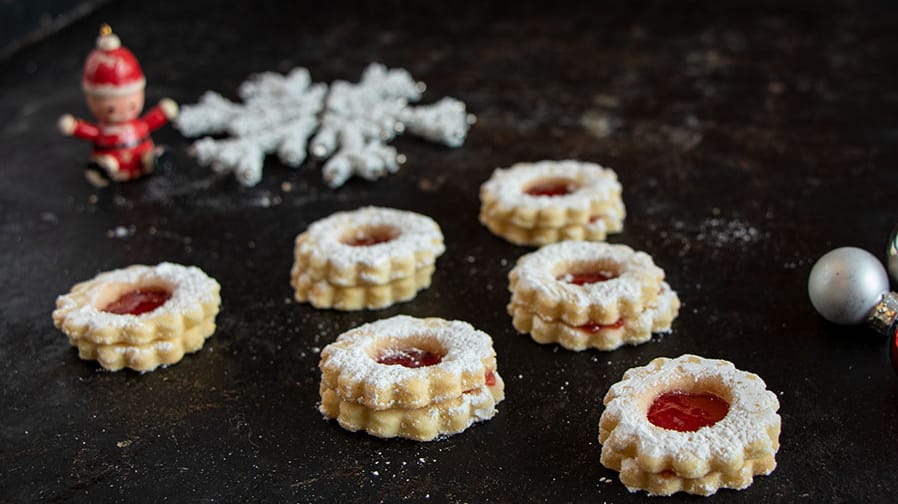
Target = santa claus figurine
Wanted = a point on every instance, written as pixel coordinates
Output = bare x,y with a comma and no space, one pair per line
113,85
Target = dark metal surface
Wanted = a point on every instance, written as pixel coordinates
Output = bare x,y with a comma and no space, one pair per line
749,139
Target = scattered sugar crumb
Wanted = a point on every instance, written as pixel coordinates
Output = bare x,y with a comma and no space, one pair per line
722,232
599,124
121,232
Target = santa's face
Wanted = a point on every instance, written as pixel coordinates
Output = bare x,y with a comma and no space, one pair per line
116,109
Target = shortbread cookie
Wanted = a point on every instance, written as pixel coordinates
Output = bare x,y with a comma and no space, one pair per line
689,424
421,424
585,283
369,258
140,317
597,229
323,294
409,377
351,365
147,356
548,201
656,318
368,246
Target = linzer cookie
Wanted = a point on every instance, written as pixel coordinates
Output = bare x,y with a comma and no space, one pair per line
590,295
689,424
140,317
551,201
367,258
411,378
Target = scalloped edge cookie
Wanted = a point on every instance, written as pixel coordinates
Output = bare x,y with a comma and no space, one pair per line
534,282
744,441
349,366
321,254
148,356
420,424
194,301
612,222
322,294
656,318
503,196
666,484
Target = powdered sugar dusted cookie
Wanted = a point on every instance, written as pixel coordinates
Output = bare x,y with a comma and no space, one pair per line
140,317
367,258
420,424
689,424
410,377
550,201
590,295
657,317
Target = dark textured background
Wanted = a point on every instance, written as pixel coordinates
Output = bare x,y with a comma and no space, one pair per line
749,139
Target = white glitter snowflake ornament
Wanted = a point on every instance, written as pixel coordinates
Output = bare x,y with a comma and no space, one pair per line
349,124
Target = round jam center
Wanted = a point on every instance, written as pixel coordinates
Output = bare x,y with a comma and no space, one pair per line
409,357
589,277
685,412
549,189
592,327
138,301
366,240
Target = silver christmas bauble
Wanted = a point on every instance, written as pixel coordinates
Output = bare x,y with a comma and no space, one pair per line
846,284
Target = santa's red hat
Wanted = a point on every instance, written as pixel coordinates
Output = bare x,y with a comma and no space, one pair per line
110,69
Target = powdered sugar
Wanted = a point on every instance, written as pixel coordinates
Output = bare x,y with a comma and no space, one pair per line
465,349
416,233
189,285
722,232
751,417
588,182
540,271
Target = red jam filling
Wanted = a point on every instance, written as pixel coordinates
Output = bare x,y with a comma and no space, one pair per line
685,412
592,327
410,358
364,240
550,189
490,379
138,301
590,277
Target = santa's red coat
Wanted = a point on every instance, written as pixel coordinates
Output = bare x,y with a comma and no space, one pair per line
126,141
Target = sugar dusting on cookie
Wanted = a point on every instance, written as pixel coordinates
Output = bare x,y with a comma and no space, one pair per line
351,363
536,275
589,182
725,454
189,286
370,245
